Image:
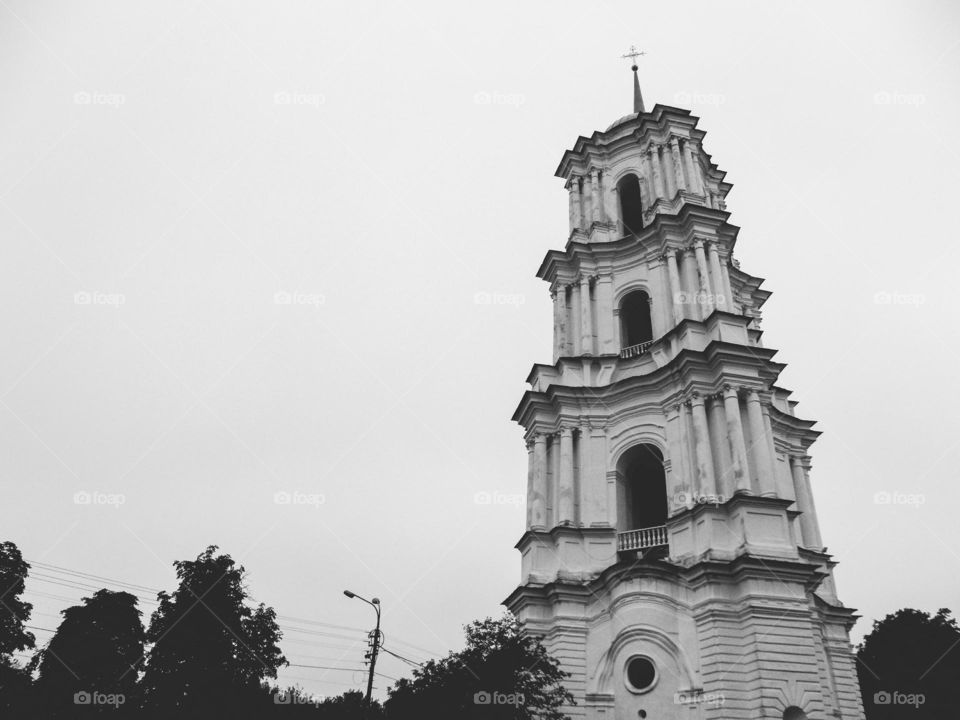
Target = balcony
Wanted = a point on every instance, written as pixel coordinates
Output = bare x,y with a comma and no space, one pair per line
642,539
635,350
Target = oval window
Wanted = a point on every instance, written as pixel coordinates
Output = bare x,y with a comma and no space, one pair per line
641,673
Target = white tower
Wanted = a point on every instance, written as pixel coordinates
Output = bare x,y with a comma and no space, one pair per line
672,559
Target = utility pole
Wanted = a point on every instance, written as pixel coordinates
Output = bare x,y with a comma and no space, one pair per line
374,647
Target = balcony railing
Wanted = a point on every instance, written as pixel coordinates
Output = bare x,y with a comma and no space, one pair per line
635,350
642,539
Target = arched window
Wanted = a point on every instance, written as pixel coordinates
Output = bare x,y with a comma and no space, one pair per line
631,207
635,325
643,492
794,713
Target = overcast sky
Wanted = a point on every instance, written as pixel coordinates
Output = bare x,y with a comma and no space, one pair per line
168,168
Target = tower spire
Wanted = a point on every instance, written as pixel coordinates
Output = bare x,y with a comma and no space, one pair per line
637,95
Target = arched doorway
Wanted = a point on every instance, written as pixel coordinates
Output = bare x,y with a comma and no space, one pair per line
642,492
631,205
794,713
635,324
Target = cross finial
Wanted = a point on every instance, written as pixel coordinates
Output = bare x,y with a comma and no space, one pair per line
633,55
637,96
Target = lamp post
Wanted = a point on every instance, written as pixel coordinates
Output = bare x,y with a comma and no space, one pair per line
375,604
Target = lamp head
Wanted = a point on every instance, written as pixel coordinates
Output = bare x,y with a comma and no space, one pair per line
376,601
349,594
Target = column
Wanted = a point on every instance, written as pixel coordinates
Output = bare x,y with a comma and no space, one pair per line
531,469
538,498
688,478
693,167
586,326
575,220
669,176
772,449
592,483
738,447
722,463
575,315
595,209
606,342
809,527
677,471
559,321
677,163
552,486
762,464
586,209
726,286
690,271
676,291
653,152
701,443
721,301
706,294
609,199
565,487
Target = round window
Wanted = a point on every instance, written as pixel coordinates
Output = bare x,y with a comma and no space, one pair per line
641,673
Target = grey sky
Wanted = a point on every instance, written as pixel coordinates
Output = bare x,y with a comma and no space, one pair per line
378,165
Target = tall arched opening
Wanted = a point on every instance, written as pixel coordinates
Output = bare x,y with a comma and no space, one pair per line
642,491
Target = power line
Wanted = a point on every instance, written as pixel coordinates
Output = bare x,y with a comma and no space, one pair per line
79,580
401,657
322,624
92,576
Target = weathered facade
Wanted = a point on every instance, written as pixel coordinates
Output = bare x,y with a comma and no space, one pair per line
673,558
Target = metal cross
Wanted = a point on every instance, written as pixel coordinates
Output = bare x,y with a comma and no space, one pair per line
633,55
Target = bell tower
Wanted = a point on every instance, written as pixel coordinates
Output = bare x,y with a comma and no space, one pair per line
672,559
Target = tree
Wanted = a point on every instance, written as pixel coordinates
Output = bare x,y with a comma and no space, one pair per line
501,673
210,651
349,706
90,666
295,704
14,613
910,661
15,683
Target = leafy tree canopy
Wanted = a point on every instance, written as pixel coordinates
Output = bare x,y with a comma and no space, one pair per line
211,651
501,673
909,664
14,612
93,655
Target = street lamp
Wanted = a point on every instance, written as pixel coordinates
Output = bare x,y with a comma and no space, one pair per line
375,604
